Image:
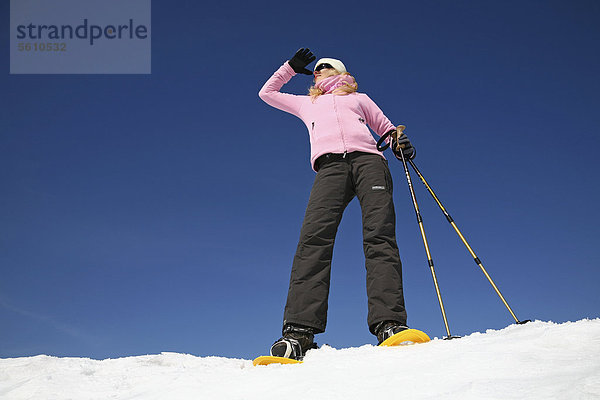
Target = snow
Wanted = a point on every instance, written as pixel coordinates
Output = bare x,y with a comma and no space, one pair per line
539,360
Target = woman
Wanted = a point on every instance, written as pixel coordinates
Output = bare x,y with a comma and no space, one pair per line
345,156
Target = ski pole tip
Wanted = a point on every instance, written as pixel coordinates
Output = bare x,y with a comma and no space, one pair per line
451,337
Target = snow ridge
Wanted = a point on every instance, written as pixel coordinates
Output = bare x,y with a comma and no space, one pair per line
539,360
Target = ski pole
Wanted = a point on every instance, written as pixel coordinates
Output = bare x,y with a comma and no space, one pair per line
460,235
395,135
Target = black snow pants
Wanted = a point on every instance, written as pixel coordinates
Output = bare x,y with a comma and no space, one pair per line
338,180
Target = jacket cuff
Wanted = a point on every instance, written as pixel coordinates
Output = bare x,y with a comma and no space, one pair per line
289,68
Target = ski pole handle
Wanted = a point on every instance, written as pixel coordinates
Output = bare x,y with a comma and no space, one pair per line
399,131
393,134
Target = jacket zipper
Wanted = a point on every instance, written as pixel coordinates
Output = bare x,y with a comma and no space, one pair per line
340,125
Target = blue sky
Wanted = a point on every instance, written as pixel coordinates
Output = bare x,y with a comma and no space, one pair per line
161,212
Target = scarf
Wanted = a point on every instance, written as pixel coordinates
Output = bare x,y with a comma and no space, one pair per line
332,83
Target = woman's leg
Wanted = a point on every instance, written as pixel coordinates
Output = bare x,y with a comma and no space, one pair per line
309,283
374,189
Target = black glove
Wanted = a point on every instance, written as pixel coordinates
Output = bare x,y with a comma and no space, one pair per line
301,59
407,148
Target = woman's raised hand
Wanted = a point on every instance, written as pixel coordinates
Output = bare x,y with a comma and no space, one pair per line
301,59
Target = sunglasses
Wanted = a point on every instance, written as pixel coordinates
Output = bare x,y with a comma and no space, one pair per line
322,66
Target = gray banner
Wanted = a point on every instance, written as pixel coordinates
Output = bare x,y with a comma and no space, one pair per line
80,37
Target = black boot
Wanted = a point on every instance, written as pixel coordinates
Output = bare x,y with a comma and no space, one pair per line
387,329
296,341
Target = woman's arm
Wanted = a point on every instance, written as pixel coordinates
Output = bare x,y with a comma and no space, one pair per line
375,118
271,95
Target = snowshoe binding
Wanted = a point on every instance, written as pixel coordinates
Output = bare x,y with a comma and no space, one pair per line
386,329
291,347
392,333
294,344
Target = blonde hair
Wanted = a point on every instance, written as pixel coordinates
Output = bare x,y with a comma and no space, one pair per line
315,92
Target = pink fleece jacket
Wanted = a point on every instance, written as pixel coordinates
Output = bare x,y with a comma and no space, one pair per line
336,123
